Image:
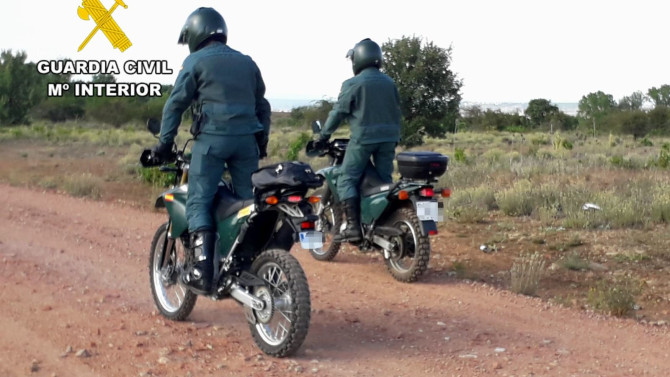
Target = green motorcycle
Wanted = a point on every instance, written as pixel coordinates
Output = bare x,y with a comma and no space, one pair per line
253,264
396,218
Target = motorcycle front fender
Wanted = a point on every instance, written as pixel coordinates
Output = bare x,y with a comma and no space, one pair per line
331,174
174,200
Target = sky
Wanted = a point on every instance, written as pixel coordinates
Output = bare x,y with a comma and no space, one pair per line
502,50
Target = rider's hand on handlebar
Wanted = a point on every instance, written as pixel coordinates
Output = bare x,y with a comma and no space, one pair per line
165,152
320,143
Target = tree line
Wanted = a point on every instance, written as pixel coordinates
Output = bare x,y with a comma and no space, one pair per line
638,114
430,94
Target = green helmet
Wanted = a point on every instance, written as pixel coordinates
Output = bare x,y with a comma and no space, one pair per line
201,25
365,53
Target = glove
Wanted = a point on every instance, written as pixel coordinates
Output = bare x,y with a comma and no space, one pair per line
320,142
164,152
262,140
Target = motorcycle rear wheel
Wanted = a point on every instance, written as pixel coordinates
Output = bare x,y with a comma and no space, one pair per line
172,299
329,223
280,330
411,259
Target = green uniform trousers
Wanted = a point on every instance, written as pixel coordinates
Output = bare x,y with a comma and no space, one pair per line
211,155
356,159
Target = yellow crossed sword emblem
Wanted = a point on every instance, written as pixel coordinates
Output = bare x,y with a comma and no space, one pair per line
105,22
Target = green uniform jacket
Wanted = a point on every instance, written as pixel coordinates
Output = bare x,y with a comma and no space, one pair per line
227,86
370,102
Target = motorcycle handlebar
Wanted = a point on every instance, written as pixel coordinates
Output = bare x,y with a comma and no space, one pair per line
312,151
149,159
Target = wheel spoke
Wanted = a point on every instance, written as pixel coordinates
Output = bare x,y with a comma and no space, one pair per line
178,297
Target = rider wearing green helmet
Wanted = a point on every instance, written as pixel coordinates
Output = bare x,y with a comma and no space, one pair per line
369,101
231,126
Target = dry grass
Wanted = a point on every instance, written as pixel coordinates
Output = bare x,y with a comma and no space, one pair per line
526,274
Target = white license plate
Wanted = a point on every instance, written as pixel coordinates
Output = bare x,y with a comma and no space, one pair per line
428,211
311,240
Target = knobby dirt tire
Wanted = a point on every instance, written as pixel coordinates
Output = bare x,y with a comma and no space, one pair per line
182,301
407,220
296,314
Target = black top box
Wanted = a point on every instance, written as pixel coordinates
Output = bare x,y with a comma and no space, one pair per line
422,165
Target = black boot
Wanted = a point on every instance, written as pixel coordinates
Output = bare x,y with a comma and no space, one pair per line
353,231
199,276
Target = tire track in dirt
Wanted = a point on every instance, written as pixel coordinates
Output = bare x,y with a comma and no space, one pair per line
74,273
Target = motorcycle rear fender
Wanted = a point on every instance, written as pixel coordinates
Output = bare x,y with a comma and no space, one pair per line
427,226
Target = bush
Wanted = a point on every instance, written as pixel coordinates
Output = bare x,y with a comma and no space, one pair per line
575,262
518,200
296,146
615,297
117,111
459,155
85,185
60,109
155,177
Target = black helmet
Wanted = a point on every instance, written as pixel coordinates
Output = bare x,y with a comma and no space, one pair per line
202,25
365,53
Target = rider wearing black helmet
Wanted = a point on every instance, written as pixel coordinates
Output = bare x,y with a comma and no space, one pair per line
369,101
231,126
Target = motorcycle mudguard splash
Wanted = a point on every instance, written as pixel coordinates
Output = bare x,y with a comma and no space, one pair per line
373,206
427,226
175,202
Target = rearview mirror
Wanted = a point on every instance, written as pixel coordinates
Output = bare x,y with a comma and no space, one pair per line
154,126
316,127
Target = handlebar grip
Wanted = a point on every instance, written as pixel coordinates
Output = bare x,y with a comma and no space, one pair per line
149,159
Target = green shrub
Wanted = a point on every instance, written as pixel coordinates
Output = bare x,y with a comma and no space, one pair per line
296,146
663,159
615,297
471,205
574,261
155,177
518,200
459,155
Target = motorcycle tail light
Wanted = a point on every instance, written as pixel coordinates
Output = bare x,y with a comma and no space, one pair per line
294,199
307,225
427,192
446,192
271,200
432,232
314,199
403,195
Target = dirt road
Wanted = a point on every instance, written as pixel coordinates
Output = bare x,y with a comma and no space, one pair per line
76,302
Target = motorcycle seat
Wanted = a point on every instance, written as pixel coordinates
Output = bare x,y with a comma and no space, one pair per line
227,203
372,183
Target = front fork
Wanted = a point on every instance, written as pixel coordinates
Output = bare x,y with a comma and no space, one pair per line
168,244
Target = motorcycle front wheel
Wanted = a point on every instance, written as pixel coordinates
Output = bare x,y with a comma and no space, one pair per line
281,327
171,298
410,258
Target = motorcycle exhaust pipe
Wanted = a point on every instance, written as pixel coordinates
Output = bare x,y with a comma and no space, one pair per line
245,298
